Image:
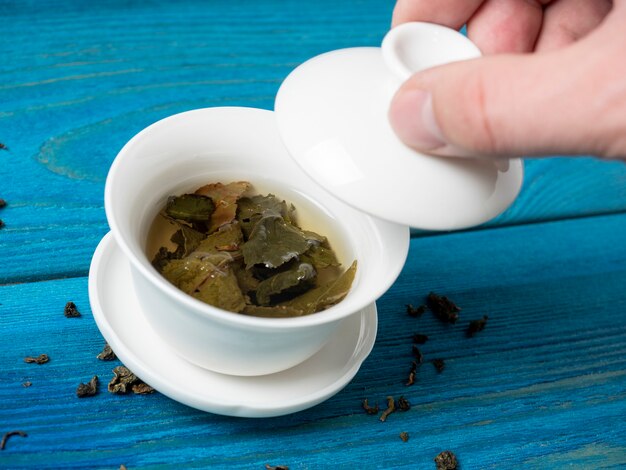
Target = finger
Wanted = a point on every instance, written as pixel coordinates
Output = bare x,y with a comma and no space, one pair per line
451,13
567,21
562,102
506,26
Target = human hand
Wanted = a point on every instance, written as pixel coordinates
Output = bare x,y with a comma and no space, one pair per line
553,80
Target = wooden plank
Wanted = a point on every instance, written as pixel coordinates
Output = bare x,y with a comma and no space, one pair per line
543,386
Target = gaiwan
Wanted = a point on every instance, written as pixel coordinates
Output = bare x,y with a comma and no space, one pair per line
246,253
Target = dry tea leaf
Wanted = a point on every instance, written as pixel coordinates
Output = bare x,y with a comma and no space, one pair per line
412,372
443,308
391,407
277,467
70,310
124,381
7,435
107,353
415,311
3,147
142,389
476,325
446,460
41,359
27,384
370,410
404,436
89,389
419,357
3,203
403,404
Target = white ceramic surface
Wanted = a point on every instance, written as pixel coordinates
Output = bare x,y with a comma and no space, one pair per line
190,149
121,320
332,115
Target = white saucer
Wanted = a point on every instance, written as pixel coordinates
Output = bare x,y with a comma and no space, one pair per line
122,323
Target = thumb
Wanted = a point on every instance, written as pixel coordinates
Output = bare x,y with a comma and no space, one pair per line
561,102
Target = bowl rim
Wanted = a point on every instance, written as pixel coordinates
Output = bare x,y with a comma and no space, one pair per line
330,315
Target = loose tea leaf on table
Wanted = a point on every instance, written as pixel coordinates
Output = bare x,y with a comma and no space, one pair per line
26,384
70,310
3,203
404,436
415,311
7,435
370,410
41,359
412,372
419,357
124,381
89,389
277,467
446,460
391,407
107,353
443,308
403,404
3,147
476,325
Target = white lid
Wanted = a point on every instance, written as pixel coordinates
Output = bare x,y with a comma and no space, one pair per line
332,116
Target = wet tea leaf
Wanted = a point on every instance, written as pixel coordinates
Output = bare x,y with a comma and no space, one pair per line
325,296
273,242
246,280
190,207
320,257
225,197
221,290
187,240
302,274
227,239
278,311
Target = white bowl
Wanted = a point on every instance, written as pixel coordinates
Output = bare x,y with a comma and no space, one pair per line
187,150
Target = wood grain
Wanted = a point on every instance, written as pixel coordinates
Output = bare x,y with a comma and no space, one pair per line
78,81
543,386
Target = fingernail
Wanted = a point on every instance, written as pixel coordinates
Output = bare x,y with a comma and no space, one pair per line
413,119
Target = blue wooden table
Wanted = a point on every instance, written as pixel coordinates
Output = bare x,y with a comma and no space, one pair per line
543,386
